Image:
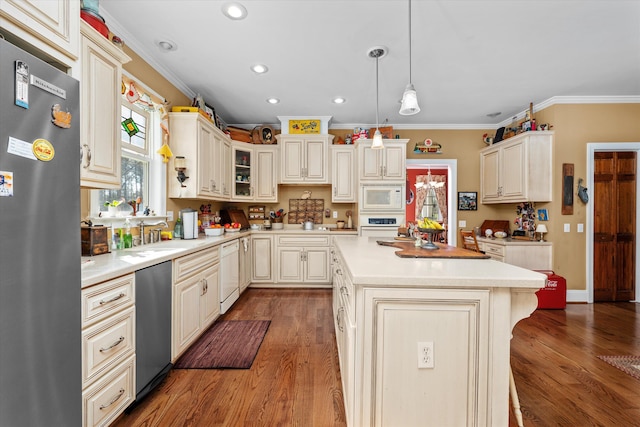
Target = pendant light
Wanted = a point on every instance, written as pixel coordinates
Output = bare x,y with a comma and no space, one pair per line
409,98
377,53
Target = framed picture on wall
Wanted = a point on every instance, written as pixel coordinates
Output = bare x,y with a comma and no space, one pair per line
467,201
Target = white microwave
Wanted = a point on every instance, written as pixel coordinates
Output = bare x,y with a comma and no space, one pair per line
382,198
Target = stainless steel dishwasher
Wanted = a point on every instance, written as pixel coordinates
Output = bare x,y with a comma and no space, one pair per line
153,327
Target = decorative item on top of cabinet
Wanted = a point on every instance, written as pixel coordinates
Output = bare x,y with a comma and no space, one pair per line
518,170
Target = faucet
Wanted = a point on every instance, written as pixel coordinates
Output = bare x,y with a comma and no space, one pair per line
142,225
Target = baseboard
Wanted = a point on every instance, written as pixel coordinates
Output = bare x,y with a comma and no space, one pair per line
577,296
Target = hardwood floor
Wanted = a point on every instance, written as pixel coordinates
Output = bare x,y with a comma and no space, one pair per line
295,379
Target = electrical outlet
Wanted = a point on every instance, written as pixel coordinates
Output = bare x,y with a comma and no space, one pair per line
335,214
580,228
169,215
567,228
425,355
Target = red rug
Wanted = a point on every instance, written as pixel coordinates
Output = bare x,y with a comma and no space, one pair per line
227,344
627,364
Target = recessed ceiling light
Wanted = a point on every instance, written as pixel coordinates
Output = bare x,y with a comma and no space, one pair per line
259,68
496,114
167,45
339,100
273,101
234,11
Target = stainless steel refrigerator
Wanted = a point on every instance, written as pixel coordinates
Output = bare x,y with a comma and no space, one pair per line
40,326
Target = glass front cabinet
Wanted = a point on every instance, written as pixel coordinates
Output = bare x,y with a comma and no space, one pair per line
242,173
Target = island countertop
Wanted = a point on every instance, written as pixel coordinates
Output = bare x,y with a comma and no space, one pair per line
371,264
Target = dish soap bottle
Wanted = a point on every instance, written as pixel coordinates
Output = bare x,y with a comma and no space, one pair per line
128,239
177,229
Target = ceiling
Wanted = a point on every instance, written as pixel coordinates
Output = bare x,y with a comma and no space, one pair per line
470,58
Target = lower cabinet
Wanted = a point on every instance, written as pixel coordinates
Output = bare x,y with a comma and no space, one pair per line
303,259
108,350
262,261
196,303
245,263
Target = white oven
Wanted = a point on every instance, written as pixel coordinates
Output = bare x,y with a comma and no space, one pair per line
382,198
380,225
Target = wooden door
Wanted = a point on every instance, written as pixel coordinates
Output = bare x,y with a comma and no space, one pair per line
614,239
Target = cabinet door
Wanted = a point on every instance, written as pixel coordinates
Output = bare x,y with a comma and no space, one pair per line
316,161
490,175
45,24
370,164
242,175
290,264
292,163
100,119
514,171
316,265
266,179
205,156
394,162
343,176
224,163
215,166
262,259
210,298
186,310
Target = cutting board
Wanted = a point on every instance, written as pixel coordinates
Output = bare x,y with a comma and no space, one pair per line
409,250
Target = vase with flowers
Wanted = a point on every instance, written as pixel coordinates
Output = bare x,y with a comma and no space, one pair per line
112,206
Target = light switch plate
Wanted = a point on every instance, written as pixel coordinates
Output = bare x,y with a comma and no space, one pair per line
580,228
169,215
462,224
567,228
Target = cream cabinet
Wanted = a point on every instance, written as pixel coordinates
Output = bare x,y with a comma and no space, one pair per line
304,158
207,151
388,164
302,259
52,26
100,103
262,259
266,173
344,184
519,169
533,255
196,303
254,174
108,349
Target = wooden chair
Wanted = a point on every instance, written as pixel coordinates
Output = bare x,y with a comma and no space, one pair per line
469,240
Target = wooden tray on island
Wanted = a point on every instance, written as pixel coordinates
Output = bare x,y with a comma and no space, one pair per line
409,250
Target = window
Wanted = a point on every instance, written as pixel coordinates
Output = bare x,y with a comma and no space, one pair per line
142,171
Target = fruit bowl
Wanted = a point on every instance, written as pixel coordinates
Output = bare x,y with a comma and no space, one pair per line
213,231
430,232
230,230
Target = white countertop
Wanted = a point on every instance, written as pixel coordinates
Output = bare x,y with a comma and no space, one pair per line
103,267
371,264
512,242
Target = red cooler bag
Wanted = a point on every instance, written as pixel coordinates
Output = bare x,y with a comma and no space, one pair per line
554,294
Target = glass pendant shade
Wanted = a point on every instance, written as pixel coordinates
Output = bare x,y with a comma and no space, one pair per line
409,101
377,140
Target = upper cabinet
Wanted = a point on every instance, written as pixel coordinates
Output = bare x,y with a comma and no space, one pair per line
52,26
207,152
387,164
518,170
344,185
254,174
100,102
304,158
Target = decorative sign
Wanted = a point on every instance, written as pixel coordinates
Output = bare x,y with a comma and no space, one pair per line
427,147
43,150
304,126
22,84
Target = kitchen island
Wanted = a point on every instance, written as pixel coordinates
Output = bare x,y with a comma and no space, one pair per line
425,341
